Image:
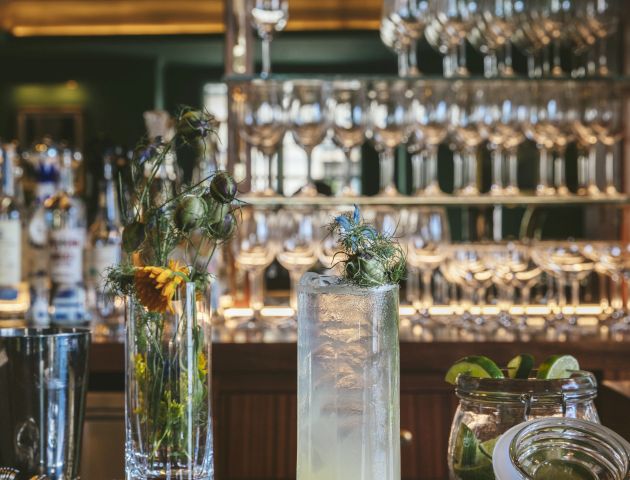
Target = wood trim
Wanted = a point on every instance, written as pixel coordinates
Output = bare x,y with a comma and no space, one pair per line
23,18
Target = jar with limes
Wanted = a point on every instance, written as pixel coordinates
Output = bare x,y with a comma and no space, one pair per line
493,400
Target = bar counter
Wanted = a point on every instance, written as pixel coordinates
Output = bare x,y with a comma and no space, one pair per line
254,391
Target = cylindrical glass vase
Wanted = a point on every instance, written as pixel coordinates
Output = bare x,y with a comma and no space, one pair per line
348,381
168,400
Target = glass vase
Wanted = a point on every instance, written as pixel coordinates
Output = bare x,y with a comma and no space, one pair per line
168,378
348,381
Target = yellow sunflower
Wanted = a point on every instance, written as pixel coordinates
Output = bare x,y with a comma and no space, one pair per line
156,286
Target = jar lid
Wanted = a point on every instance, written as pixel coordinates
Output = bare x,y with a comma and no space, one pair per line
561,446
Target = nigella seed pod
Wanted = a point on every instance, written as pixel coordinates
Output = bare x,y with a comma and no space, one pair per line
190,212
223,187
372,271
225,228
133,236
215,210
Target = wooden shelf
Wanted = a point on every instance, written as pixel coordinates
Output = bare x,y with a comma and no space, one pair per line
443,200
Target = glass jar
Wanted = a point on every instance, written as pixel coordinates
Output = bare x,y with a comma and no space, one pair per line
561,448
489,407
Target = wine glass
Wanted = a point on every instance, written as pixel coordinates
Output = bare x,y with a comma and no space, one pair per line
309,122
609,130
297,250
587,139
429,229
389,122
429,111
402,25
466,116
531,35
268,17
539,129
262,123
562,113
447,31
348,118
603,18
494,24
254,249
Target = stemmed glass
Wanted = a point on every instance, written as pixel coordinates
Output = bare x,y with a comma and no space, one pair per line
430,230
268,17
262,123
603,19
587,139
494,25
429,111
608,129
531,35
451,22
348,118
562,114
297,250
254,250
567,263
466,117
615,259
402,25
309,122
497,128
540,129
389,122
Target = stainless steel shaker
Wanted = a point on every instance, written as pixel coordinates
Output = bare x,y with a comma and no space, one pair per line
43,384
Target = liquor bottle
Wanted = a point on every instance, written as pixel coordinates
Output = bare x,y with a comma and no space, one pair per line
10,237
37,233
105,252
65,219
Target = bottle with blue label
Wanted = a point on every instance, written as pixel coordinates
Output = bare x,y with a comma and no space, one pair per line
37,234
66,223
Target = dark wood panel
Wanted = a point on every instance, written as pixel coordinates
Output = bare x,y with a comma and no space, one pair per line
255,407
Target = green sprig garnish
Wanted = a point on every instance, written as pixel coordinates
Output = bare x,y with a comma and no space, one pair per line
370,258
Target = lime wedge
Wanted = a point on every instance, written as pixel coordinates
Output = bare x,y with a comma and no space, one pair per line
563,470
465,447
476,366
558,366
520,366
487,447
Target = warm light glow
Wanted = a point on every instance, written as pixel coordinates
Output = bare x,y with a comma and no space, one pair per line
72,85
276,312
238,312
406,310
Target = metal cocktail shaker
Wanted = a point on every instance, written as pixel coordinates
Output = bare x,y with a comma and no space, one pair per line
43,383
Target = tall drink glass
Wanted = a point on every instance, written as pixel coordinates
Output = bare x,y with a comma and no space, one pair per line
348,381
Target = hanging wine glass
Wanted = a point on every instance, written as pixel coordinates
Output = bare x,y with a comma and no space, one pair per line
268,17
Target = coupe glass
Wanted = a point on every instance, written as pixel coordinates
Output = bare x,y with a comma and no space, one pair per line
513,269
567,263
464,262
254,250
451,22
297,250
268,17
466,117
429,230
430,115
389,121
262,123
309,122
402,25
348,119
615,259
